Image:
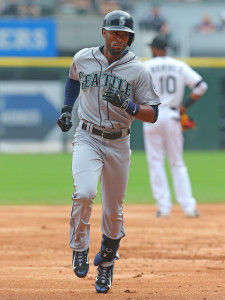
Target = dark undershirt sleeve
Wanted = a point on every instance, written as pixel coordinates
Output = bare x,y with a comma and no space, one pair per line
72,90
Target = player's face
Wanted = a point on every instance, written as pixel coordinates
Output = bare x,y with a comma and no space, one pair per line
116,41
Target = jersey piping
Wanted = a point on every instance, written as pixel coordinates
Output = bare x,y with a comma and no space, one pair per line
111,73
99,88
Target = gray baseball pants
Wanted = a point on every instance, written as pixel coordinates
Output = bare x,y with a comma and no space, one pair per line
95,157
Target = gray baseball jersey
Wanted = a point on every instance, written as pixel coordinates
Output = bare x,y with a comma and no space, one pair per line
91,68
95,156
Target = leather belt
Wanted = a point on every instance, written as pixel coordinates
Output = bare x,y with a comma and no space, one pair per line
111,135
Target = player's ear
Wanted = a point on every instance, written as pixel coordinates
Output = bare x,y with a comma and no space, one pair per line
103,32
154,51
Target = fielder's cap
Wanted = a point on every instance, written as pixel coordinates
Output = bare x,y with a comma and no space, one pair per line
159,42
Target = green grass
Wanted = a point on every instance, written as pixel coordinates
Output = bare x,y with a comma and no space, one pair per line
46,179
206,170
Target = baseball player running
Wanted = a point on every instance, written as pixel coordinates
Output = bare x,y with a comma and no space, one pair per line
166,137
113,87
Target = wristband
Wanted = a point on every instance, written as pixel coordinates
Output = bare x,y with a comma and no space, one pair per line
156,111
67,108
132,108
189,102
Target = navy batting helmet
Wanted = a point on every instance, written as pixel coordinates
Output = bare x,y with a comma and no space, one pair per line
119,20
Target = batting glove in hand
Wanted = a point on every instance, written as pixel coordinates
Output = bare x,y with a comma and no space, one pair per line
64,120
116,97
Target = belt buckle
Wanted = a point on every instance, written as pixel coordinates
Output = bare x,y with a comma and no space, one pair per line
107,134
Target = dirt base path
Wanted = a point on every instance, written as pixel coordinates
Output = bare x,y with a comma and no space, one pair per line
171,259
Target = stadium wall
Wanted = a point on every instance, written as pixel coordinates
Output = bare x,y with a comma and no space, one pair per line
47,77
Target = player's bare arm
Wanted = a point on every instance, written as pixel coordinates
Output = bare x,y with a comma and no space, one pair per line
198,90
147,113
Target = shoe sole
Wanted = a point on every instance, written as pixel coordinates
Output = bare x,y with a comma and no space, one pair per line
101,290
81,275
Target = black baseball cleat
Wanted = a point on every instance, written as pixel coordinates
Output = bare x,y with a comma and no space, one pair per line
80,263
104,279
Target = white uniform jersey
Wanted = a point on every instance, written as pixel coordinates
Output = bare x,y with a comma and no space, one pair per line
95,74
170,77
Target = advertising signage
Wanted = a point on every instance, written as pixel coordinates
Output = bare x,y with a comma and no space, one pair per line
28,37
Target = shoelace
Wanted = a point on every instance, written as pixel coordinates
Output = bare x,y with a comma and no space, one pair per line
104,273
81,257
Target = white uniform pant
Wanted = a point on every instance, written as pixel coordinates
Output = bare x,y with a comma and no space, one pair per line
163,138
95,157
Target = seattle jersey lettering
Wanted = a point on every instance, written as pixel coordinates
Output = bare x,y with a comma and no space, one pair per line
93,80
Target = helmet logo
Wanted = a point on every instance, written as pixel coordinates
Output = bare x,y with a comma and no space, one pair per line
122,21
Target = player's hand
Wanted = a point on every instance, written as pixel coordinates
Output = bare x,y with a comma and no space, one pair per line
116,97
187,122
64,120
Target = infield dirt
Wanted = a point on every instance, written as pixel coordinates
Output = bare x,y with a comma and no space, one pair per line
166,259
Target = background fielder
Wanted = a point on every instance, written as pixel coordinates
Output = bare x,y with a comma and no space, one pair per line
170,77
113,87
